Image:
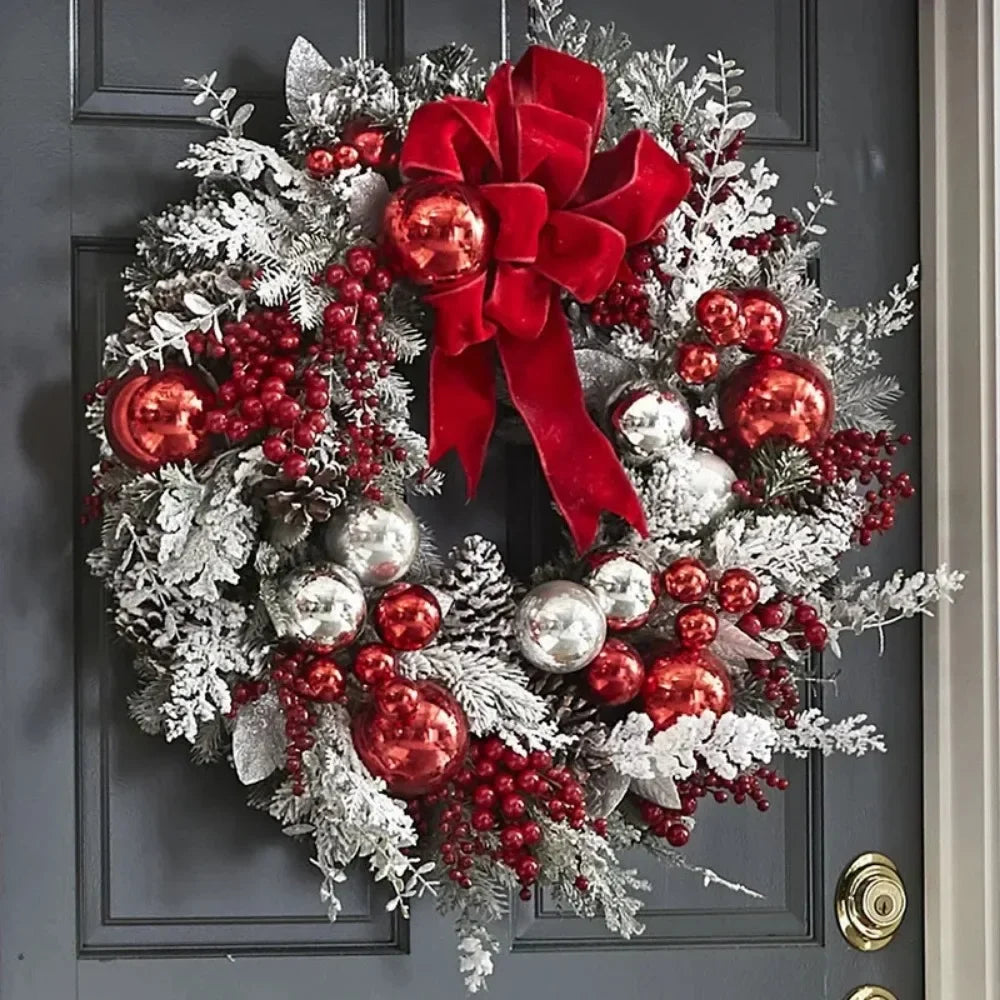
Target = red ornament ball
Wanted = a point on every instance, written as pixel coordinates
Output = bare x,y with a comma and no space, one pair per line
718,314
377,147
696,626
616,674
420,753
154,418
685,682
397,699
696,363
407,616
374,664
777,396
437,231
738,591
686,580
765,319
324,680
320,163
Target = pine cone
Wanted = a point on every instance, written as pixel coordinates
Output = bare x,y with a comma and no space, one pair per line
571,712
293,508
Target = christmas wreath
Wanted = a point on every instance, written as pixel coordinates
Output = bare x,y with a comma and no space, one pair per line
711,427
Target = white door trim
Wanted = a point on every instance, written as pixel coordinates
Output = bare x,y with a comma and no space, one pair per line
959,226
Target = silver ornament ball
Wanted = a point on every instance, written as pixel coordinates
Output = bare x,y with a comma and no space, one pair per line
712,479
560,626
647,421
323,605
377,542
624,585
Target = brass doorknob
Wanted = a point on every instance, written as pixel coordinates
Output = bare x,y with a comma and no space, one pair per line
872,993
871,904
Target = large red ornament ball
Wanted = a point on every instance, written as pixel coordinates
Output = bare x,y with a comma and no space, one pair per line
616,674
696,363
407,616
686,580
437,231
696,626
377,146
777,396
685,682
154,418
420,752
718,314
738,591
765,319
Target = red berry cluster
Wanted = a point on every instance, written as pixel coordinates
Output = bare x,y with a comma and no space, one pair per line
244,693
301,677
627,301
801,617
264,391
684,146
777,685
325,161
487,808
850,453
352,333
763,243
362,142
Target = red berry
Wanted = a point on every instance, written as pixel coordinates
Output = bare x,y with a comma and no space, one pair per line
275,449
531,832
295,466
334,275
360,261
678,834
320,163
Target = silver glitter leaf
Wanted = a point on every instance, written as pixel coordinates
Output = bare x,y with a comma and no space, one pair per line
258,740
733,643
662,791
600,374
604,790
366,203
306,73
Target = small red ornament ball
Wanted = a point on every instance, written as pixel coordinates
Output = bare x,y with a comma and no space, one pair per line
374,664
420,753
320,163
154,418
325,680
718,314
696,626
407,616
696,363
738,591
377,147
777,396
397,699
765,319
685,682
686,580
616,674
437,231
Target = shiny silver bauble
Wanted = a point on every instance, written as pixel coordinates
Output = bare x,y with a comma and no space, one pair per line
647,421
624,585
323,605
560,626
375,541
712,479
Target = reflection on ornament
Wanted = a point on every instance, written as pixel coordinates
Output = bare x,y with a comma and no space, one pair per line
685,682
777,396
646,421
560,626
616,674
157,417
712,479
418,753
765,318
377,542
397,699
323,605
718,314
625,587
407,616
696,363
374,664
437,231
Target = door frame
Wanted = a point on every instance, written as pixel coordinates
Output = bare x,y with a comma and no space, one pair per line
960,222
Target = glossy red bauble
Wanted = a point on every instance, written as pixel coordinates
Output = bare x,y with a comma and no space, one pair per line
157,417
718,314
437,231
696,626
407,616
417,754
685,682
374,664
616,674
324,680
377,147
397,699
764,317
686,580
696,363
777,396
738,591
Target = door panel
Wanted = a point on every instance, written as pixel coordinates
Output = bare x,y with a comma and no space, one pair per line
160,871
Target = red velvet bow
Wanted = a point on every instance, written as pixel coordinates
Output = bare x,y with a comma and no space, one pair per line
565,216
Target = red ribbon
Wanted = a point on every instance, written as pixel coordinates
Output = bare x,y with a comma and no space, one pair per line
565,216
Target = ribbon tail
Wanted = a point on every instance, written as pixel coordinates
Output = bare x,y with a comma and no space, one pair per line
580,465
463,408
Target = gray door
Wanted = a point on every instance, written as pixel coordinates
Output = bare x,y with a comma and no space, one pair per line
126,872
